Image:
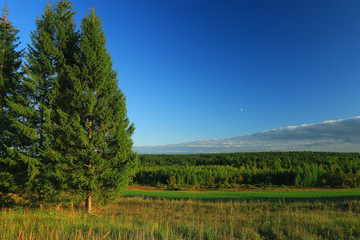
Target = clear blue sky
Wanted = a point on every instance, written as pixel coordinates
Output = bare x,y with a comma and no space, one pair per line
194,70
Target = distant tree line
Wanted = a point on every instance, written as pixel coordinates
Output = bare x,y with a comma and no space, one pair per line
226,170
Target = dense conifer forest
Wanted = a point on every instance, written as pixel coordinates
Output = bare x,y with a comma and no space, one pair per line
64,131
231,170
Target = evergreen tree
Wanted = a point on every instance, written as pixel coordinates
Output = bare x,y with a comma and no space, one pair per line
49,67
11,170
55,148
40,79
98,128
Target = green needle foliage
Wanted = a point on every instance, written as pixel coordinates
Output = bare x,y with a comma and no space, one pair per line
103,126
91,152
86,145
48,71
72,134
11,170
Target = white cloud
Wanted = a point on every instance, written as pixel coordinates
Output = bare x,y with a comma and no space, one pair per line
334,135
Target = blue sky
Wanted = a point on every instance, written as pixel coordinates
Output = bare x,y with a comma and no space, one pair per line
196,70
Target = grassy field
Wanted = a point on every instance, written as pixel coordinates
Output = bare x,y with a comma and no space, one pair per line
159,217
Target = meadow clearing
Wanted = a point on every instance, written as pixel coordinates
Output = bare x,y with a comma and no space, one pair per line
279,214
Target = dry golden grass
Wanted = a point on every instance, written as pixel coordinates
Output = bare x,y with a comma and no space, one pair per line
138,218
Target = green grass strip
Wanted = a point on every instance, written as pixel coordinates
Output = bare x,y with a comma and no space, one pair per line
292,195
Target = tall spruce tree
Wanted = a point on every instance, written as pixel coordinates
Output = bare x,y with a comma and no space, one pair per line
56,149
92,156
50,63
40,77
104,159
12,171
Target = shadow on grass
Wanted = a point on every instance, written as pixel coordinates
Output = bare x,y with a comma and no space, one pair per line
252,199
13,201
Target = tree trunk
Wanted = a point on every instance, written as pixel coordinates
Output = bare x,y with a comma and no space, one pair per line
88,207
1,101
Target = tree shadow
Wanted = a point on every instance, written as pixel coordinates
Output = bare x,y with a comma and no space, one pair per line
255,199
